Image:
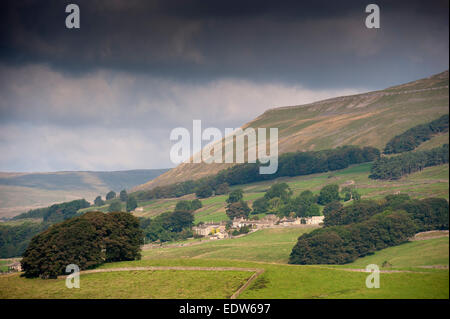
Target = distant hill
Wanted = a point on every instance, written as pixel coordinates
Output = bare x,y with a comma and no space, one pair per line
22,191
368,119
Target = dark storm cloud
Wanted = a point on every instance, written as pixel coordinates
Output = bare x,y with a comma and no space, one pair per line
310,42
106,96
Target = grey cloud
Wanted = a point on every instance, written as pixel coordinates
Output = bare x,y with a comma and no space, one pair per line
311,42
116,120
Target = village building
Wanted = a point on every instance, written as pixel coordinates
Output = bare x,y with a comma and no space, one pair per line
216,230
15,266
219,230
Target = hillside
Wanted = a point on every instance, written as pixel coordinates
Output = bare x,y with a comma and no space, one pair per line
431,182
368,119
22,191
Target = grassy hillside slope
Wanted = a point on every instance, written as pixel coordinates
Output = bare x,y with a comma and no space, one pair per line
431,182
369,119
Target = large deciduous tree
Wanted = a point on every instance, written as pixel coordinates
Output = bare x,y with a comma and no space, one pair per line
86,241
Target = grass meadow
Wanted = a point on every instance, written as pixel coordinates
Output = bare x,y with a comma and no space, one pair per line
265,249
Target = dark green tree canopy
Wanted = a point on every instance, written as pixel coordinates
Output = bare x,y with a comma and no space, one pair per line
169,226
131,203
98,201
280,190
416,135
237,209
204,191
304,205
260,206
87,241
123,195
289,164
344,244
235,196
222,189
187,205
110,195
196,204
331,207
395,167
328,194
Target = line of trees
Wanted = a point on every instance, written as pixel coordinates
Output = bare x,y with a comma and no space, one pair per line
416,135
395,167
14,239
278,200
57,212
367,226
289,164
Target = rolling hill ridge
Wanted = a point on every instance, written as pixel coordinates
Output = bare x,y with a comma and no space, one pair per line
20,192
367,119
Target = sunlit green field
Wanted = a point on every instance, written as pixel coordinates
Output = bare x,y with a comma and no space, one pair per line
266,245
130,284
409,255
298,282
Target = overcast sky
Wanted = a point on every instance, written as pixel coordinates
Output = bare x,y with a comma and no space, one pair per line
107,95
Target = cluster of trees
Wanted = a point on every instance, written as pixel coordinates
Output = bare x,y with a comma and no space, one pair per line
289,164
278,200
168,226
366,226
416,135
57,212
188,205
395,167
15,238
427,214
236,206
87,241
344,244
115,204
